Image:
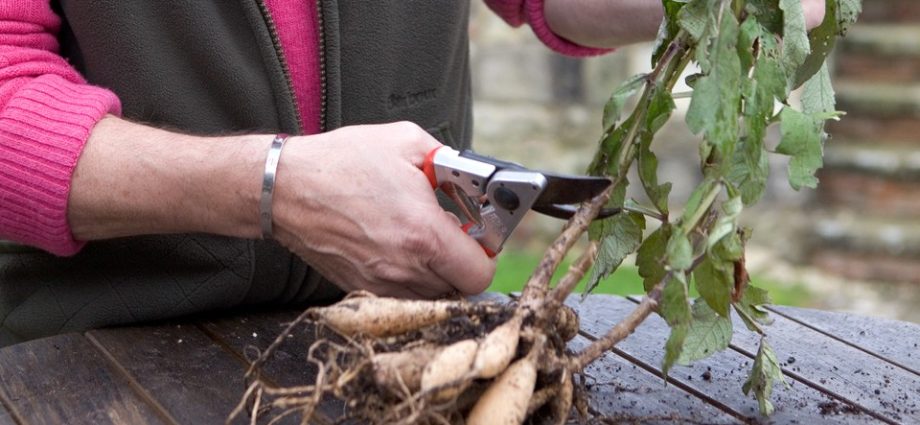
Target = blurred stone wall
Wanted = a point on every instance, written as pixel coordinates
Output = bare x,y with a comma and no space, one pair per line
868,225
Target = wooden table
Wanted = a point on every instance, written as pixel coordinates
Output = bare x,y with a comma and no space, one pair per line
842,369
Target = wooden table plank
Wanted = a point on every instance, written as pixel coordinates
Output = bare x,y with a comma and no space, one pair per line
626,393
717,378
247,335
893,341
889,391
6,418
288,366
65,379
193,378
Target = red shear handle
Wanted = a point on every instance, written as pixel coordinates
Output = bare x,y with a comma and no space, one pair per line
428,168
466,229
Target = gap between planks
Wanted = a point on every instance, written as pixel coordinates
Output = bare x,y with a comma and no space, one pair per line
656,372
844,341
679,384
318,416
138,389
796,376
7,406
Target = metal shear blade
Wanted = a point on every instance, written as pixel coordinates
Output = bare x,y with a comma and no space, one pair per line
562,194
496,194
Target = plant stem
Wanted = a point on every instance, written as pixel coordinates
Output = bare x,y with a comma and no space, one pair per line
538,284
577,271
667,69
622,329
639,209
702,208
629,324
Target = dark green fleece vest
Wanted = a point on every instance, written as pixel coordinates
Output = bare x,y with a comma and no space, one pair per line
214,67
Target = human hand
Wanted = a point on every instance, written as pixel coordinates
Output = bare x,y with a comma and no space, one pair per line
354,204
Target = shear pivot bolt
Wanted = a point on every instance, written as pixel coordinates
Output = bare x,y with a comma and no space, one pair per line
506,198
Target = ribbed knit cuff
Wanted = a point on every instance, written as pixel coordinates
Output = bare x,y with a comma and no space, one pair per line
519,12
43,129
533,11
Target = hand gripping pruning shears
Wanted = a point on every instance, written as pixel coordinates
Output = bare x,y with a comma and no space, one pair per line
494,195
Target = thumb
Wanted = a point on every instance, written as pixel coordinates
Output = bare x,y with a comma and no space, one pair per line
460,260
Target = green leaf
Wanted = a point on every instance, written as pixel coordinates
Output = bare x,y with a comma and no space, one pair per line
675,309
801,140
661,105
696,198
749,170
750,32
795,36
727,222
668,29
765,372
696,18
749,166
714,280
731,247
768,14
750,308
614,107
847,12
839,15
679,251
650,258
818,94
822,40
717,94
621,236
709,333
648,173
605,159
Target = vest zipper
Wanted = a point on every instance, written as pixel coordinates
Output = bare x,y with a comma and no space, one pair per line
322,65
276,43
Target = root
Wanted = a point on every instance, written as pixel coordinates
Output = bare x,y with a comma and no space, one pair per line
446,362
577,271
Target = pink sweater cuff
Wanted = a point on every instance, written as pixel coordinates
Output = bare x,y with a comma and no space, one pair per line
518,12
43,129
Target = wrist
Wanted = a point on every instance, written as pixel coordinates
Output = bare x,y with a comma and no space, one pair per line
227,195
132,180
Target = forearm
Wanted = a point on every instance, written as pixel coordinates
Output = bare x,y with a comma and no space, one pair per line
133,179
604,23
612,23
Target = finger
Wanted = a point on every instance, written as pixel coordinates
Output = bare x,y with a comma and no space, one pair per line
814,13
460,260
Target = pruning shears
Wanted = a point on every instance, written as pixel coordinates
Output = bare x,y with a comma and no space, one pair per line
494,195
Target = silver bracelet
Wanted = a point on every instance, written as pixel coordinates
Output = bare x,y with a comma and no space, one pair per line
268,184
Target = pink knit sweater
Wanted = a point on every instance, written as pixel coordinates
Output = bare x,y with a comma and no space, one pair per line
47,110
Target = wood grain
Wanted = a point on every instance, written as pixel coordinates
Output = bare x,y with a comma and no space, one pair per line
6,418
890,340
194,379
717,379
880,388
247,336
65,380
625,392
